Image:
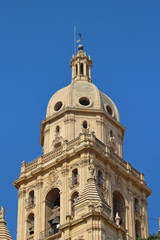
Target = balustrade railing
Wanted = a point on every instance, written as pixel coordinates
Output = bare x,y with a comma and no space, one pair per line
138,209
73,180
101,182
30,201
48,232
30,238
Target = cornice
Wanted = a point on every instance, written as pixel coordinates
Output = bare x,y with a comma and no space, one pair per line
85,142
78,110
89,215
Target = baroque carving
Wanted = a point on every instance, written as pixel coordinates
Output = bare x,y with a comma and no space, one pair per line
21,193
31,188
57,140
80,238
53,176
117,180
65,171
39,185
92,171
112,143
74,166
69,120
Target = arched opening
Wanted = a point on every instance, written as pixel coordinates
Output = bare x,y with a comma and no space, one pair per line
81,69
100,178
87,70
137,207
31,197
30,200
76,69
57,129
119,206
85,124
74,200
30,224
111,133
52,212
137,229
75,176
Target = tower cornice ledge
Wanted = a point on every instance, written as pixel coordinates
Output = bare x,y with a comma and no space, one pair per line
86,217
69,110
85,141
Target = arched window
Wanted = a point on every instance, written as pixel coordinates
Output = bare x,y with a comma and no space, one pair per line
52,212
137,229
74,200
81,69
137,207
75,176
119,206
87,70
31,197
57,129
30,224
30,200
111,133
76,69
85,124
100,178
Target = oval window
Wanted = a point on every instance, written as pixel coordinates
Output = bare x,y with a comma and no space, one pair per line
84,101
57,145
58,106
109,110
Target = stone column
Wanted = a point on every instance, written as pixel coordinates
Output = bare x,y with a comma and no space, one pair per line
85,69
21,224
131,214
38,204
46,139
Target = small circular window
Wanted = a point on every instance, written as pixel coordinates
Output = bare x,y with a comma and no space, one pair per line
84,101
109,110
58,106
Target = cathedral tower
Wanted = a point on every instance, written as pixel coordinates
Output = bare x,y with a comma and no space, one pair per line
81,188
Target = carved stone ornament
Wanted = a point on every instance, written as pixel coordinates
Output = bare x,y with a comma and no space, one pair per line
72,120
57,140
80,238
56,184
91,169
31,188
112,143
117,180
21,193
74,166
39,185
65,171
53,176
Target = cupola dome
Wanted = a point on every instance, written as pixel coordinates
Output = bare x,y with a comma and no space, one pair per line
81,93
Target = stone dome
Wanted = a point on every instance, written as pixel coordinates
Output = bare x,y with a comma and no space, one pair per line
81,95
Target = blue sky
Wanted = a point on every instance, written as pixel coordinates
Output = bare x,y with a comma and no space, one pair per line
36,45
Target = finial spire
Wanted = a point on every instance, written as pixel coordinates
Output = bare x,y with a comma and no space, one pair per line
2,213
80,46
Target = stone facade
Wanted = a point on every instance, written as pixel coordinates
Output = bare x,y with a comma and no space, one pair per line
81,188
